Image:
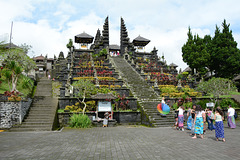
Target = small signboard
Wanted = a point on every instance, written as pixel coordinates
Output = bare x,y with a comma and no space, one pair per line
104,106
211,104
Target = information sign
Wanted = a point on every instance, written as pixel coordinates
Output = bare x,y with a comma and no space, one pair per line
104,106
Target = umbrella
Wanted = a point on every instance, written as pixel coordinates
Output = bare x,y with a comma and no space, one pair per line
163,108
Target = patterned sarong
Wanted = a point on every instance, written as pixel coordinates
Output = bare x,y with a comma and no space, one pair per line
189,123
199,125
231,122
193,127
219,130
180,120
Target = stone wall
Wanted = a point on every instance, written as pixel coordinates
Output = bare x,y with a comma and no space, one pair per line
12,113
121,117
63,102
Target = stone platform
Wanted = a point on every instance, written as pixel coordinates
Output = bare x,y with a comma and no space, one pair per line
121,142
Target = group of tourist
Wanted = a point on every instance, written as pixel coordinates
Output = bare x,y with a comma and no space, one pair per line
197,118
114,54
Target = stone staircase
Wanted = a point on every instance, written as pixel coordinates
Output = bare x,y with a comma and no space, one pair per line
42,112
146,96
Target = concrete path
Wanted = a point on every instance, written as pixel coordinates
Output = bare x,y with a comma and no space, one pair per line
122,142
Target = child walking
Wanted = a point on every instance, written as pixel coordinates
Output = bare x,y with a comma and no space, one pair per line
180,117
219,131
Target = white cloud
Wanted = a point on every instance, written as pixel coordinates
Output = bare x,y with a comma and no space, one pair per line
48,25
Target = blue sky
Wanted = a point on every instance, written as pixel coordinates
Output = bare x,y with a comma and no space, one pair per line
47,25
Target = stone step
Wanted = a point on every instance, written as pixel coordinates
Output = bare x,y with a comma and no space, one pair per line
163,123
37,123
30,129
34,126
42,108
146,96
43,112
38,120
38,116
45,104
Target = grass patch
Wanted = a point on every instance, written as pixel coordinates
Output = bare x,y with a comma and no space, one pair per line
3,86
60,110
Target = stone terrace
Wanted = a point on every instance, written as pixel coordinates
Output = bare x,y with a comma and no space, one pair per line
123,142
146,96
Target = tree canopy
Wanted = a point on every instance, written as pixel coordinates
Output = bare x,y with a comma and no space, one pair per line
195,52
19,55
85,88
218,54
216,87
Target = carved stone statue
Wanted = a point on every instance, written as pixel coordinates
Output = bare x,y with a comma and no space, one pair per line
142,72
179,85
126,50
132,61
161,70
155,83
148,77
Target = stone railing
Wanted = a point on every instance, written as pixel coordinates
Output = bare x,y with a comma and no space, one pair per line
12,113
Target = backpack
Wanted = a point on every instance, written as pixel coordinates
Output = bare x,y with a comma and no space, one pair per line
235,115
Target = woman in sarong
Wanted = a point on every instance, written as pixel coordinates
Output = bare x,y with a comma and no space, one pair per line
199,116
193,120
231,118
219,130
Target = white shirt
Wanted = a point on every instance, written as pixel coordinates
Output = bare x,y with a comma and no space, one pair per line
180,111
199,113
231,112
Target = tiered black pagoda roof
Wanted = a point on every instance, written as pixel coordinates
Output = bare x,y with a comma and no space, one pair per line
83,38
140,41
124,39
105,33
97,39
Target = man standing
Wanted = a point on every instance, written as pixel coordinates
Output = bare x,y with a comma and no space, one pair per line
231,118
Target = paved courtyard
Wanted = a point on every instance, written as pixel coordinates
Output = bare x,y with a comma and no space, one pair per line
122,142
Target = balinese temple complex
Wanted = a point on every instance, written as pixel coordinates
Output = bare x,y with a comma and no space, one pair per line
93,58
88,49
133,51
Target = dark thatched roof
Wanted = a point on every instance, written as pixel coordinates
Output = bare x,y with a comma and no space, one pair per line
83,38
114,47
174,65
84,35
140,41
103,96
139,38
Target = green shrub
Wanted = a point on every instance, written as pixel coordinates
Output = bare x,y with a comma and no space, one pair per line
80,121
228,101
175,106
202,103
